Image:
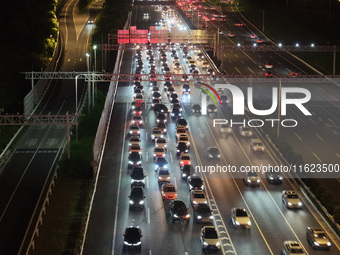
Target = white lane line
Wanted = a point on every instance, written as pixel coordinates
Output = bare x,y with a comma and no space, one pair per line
147,156
118,189
236,55
311,120
298,137
150,252
175,183
318,136
251,70
146,119
249,57
242,62
146,136
171,160
335,132
317,157
148,215
332,121
237,70
147,181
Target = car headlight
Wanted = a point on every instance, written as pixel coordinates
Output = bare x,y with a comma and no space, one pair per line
262,148
163,155
248,180
218,244
138,131
258,180
172,114
190,186
271,177
177,150
194,202
161,136
184,175
205,243
159,178
186,150
299,204
187,216
242,133
154,155
210,156
139,162
237,223
211,217
156,166
289,203
329,244
164,129
130,132
141,202
130,162
250,133
126,243
168,178
138,243
249,223
165,166
316,243
175,215
219,156
131,202
280,178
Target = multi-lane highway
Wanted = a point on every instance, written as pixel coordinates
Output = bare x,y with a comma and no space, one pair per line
271,222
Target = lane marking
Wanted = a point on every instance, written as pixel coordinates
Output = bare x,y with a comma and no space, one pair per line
148,215
317,157
298,137
319,137
251,70
237,70
337,155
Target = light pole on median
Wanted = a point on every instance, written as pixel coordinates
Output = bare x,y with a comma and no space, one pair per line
95,58
88,82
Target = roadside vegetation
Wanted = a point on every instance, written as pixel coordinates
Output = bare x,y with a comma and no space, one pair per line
63,224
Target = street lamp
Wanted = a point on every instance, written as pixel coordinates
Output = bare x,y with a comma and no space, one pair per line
88,83
95,58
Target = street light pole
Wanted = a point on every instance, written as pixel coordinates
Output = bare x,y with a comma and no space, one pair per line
95,58
88,82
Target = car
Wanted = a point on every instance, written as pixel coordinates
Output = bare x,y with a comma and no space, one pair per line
268,66
213,153
132,237
209,239
137,91
293,74
161,117
178,211
231,35
155,101
245,131
170,90
291,199
161,142
240,218
137,177
268,73
154,89
90,21
225,129
292,248
195,182
162,127
211,71
195,108
259,41
274,177
163,175
202,213
137,197
173,95
186,89
168,191
182,122
239,24
188,59
184,138
205,64
197,196
156,133
176,105
180,130
137,120
167,85
211,109
135,148
185,159
161,108
135,159
158,152
181,148
174,100
139,86
176,59
167,70
138,98
256,146
200,56
134,140
251,178
156,95
185,78
177,66
137,110
160,163
252,36
317,238
134,130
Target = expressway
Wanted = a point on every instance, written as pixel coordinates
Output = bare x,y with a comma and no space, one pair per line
272,223
27,174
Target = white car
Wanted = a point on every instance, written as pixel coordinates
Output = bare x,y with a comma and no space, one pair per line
240,218
209,239
245,131
197,196
291,199
292,247
163,175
